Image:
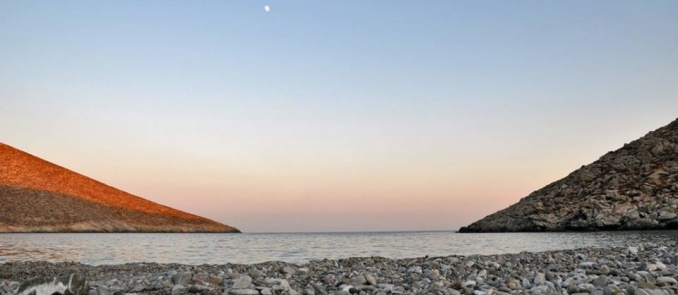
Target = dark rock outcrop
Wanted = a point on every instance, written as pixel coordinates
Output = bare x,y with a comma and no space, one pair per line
38,196
632,188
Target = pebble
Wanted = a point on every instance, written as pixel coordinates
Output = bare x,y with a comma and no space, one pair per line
181,278
178,289
540,279
371,279
243,292
243,282
669,280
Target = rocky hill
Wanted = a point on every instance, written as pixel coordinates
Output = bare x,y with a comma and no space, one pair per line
634,187
38,196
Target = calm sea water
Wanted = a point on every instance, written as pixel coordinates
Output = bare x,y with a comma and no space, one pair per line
96,249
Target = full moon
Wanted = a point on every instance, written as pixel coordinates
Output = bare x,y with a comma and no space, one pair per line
267,8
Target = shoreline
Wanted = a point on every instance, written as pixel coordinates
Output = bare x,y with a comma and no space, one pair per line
646,269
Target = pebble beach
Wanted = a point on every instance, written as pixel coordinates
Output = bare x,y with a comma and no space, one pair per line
641,269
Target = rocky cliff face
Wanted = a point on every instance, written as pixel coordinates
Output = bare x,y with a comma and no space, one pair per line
634,187
38,196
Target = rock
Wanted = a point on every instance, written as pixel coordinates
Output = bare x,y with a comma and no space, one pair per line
633,187
587,264
469,284
350,289
243,282
539,289
182,278
586,287
397,290
540,279
646,285
600,281
288,271
73,284
371,279
667,280
415,269
243,292
198,288
54,199
666,215
178,289
359,280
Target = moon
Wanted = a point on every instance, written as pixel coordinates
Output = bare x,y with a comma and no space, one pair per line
267,8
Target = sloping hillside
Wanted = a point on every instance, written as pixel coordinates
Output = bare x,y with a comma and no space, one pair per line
38,196
634,187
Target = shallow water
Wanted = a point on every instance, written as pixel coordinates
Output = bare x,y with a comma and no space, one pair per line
96,249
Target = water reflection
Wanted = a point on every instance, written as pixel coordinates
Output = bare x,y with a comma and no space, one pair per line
98,249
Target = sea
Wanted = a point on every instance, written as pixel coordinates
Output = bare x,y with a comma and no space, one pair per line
299,248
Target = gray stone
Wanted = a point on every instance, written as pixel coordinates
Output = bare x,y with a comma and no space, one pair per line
371,279
586,287
198,288
611,290
646,285
632,290
398,290
243,292
469,284
587,264
668,280
600,281
539,289
539,279
182,278
665,215
243,282
288,271
178,289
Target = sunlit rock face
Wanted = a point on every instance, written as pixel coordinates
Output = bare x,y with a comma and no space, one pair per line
38,196
632,188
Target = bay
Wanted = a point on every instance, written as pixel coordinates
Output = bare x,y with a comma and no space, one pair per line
247,248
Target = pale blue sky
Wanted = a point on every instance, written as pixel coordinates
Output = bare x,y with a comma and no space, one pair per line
334,115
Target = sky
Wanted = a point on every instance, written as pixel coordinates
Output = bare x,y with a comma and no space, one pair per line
334,115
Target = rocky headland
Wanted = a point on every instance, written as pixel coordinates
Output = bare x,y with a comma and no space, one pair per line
632,188
39,196
641,269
